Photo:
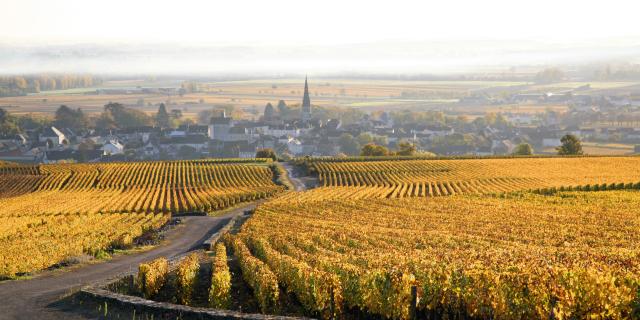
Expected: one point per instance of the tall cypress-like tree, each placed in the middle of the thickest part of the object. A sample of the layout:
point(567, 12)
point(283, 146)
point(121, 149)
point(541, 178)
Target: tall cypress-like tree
point(162, 118)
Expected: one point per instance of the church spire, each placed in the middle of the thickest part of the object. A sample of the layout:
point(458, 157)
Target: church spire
point(306, 102)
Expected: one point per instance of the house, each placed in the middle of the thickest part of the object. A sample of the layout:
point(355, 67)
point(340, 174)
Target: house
point(194, 129)
point(17, 139)
point(238, 134)
point(247, 151)
point(234, 149)
point(68, 155)
point(69, 134)
point(17, 155)
point(219, 127)
point(196, 141)
point(112, 147)
point(294, 146)
point(53, 137)
point(282, 130)
point(58, 156)
point(150, 150)
point(177, 133)
point(433, 130)
point(335, 124)
point(142, 133)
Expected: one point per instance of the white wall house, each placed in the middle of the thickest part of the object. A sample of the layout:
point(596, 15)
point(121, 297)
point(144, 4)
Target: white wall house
point(53, 137)
point(279, 131)
point(112, 147)
point(294, 146)
point(219, 128)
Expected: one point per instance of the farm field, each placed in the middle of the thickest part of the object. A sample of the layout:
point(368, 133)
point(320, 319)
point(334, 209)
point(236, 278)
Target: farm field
point(428, 178)
point(593, 85)
point(568, 255)
point(54, 212)
point(600, 148)
point(381, 239)
point(252, 95)
point(607, 148)
point(390, 238)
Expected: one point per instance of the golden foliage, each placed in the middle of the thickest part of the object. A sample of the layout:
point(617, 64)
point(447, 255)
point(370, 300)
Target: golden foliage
point(522, 256)
point(186, 277)
point(152, 276)
point(258, 275)
point(220, 291)
point(50, 213)
point(428, 178)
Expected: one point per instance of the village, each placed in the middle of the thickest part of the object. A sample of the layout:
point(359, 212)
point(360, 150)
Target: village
point(295, 131)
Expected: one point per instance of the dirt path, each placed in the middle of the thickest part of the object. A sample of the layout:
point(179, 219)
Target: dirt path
point(33, 298)
point(297, 183)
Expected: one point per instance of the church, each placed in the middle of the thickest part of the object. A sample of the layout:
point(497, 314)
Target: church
point(281, 115)
point(306, 103)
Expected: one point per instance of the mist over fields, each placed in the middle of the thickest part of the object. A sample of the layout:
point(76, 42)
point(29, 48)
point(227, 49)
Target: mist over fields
point(382, 57)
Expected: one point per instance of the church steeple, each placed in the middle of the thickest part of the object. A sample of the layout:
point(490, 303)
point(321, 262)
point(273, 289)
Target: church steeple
point(306, 102)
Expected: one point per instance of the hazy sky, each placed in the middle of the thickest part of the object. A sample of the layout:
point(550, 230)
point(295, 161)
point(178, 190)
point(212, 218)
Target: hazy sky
point(311, 22)
point(198, 36)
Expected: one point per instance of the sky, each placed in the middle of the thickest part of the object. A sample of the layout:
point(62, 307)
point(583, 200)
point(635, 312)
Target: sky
point(463, 27)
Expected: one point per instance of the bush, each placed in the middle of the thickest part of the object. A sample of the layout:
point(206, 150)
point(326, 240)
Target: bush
point(152, 276)
point(220, 291)
point(258, 275)
point(186, 277)
point(266, 153)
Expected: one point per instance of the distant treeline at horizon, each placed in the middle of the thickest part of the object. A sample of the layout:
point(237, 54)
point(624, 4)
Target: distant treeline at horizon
point(18, 85)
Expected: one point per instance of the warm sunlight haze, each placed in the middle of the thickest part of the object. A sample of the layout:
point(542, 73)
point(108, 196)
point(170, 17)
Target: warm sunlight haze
point(411, 160)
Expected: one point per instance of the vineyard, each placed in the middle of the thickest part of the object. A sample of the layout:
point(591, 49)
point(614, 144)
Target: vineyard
point(54, 212)
point(406, 238)
point(428, 178)
point(572, 255)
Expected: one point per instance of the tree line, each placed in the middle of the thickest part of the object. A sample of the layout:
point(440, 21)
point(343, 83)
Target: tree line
point(24, 84)
point(114, 116)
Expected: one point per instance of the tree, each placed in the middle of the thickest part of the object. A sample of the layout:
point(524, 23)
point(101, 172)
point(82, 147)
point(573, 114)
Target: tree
point(523, 149)
point(406, 148)
point(66, 117)
point(571, 145)
point(105, 121)
point(162, 117)
point(364, 138)
point(8, 124)
point(348, 144)
point(116, 115)
point(282, 107)
point(380, 140)
point(4, 115)
point(371, 149)
point(266, 153)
